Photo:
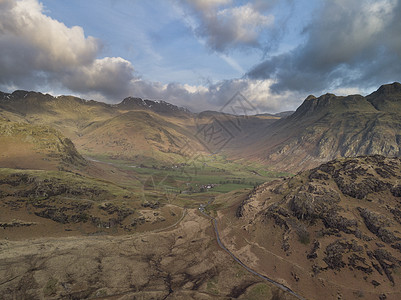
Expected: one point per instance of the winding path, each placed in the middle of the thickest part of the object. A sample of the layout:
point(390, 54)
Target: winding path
point(279, 285)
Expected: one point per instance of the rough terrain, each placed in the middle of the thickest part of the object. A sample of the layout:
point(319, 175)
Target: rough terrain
point(333, 231)
point(184, 262)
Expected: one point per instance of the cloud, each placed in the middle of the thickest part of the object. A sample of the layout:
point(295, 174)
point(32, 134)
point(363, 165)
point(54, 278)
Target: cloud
point(110, 76)
point(215, 96)
point(348, 44)
point(53, 45)
point(206, 5)
point(258, 92)
point(37, 50)
point(225, 26)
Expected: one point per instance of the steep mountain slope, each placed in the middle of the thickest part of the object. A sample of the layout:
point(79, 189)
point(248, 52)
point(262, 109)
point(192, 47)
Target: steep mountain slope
point(333, 231)
point(330, 126)
point(136, 134)
point(387, 98)
point(134, 129)
point(236, 131)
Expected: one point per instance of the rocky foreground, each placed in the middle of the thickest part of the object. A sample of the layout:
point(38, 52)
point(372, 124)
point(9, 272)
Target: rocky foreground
point(334, 230)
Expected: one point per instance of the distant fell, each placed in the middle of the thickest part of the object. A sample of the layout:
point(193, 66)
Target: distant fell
point(331, 126)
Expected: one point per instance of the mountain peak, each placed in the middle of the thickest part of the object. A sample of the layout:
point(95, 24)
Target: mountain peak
point(313, 105)
point(327, 96)
point(132, 101)
point(387, 98)
point(158, 106)
point(391, 88)
point(20, 93)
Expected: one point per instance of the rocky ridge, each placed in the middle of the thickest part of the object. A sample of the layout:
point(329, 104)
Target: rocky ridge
point(331, 126)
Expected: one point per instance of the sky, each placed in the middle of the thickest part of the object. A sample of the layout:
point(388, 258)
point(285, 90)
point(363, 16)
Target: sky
point(200, 53)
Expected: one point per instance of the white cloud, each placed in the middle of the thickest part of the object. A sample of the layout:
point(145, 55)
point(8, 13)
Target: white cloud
point(56, 45)
point(347, 91)
point(244, 23)
point(215, 96)
point(225, 26)
point(37, 50)
point(260, 94)
point(208, 4)
point(195, 89)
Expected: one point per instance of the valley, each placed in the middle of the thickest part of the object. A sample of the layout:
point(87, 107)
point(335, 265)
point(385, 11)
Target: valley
point(147, 200)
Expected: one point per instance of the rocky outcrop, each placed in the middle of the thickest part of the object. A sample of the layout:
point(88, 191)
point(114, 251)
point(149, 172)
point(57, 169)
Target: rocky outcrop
point(16, 223)
point(386, 261)
point(349, 208)
point(376, 224)
point(31, 186)
point(335, 251)
point(158, 106)
point(65, 198)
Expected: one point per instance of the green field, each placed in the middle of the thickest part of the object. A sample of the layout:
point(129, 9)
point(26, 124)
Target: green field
point(201, 177)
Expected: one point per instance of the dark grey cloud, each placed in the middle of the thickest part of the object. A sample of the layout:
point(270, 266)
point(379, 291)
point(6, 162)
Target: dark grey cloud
point(348, 44)
point(109, 76)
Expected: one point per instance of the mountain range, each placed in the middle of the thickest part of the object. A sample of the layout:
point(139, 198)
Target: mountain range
point(321, 129)
point(330, 127)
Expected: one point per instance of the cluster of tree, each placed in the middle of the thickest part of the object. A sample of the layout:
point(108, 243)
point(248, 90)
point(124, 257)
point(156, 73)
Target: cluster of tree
point(239, 181)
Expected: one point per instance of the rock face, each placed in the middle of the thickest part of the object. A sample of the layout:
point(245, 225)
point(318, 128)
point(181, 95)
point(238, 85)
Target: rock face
point(329, 126)
point(339, 219)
